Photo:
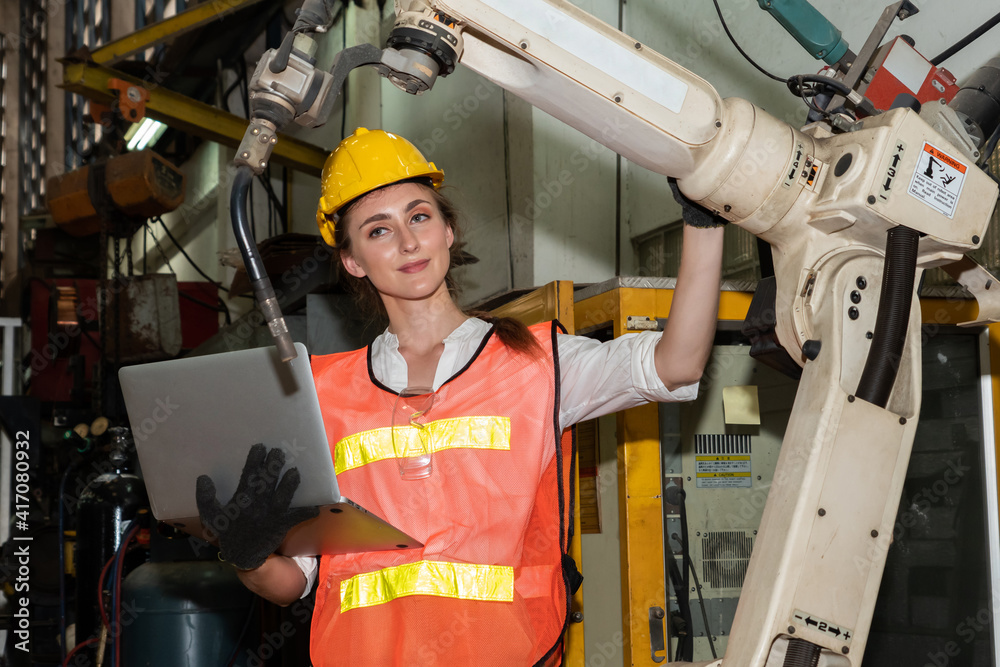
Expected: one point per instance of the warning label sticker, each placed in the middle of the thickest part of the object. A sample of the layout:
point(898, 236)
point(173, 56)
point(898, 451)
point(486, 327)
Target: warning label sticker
point(938, 180)
point(723, 472)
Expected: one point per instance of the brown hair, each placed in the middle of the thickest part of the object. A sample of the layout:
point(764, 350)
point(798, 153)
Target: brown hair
point(512, 333)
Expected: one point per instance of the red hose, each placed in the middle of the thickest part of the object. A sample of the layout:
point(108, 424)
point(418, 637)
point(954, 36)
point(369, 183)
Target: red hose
point(100, 593)
point(77, 648)
point(118, 592)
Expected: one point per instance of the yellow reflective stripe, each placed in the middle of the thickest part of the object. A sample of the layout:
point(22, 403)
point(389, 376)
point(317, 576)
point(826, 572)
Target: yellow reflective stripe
point(462, 581)
point(367, 447)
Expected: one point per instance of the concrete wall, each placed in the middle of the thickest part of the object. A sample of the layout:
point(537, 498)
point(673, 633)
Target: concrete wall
point(460, 126)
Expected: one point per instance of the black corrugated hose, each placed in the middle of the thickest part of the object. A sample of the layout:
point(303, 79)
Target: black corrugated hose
point(889, 337)
point(801, 653)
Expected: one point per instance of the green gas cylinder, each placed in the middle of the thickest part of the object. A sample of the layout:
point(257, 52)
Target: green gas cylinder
point(186, 614)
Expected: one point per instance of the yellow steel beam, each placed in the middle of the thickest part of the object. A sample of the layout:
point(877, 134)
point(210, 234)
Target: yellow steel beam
point(167, 29)
point(734, 305)
point(183, 113)
point(549, 302)
point(641, 515)
point(639, 490)
point(935, 311)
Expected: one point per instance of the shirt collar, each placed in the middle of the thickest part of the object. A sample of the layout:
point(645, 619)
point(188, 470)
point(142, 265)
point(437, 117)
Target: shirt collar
point(460, 345)
point(471, 329)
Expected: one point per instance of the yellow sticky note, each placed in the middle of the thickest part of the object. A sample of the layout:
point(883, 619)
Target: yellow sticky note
point(740, 405)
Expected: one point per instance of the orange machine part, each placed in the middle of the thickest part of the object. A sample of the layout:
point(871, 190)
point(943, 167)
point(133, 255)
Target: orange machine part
point(131, 102)
point(140, 184)
point(131, 99)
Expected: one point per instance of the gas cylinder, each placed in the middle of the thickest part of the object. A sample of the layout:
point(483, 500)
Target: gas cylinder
point(105, 511)
point(189, 614)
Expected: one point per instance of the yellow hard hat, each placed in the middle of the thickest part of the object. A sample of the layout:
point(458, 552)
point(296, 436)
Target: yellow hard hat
point(366, 161)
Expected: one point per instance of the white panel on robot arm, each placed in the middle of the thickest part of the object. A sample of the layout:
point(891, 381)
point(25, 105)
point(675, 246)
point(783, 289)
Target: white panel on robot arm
point(592, 77)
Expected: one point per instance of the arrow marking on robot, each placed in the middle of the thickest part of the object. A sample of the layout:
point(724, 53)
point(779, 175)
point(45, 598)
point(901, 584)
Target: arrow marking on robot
point(815, 623)
point(793, 167)
point(890, 171)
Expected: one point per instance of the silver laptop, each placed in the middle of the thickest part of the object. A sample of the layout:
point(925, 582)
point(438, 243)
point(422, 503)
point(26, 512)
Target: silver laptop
point(200, 416)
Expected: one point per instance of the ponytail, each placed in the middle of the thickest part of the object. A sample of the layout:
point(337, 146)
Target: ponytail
point(513, 333)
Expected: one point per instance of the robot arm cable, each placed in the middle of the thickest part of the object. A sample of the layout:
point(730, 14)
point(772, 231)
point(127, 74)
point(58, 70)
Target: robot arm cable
point(743, 53)
point(965, 41)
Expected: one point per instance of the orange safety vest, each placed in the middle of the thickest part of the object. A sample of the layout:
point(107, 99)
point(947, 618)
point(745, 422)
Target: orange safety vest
point(488, 586)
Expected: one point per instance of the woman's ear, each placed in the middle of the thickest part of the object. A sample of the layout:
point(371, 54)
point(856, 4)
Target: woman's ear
point(347, 259)
point(449, 234)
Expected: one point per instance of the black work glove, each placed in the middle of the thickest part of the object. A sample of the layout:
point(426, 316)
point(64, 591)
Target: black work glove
point(252, 525)
point(695, 215)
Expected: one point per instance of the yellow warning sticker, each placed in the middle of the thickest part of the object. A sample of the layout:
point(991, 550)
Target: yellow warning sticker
point(723, 471)
point(724, 474)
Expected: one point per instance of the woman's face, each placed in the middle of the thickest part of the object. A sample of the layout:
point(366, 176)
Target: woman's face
point(400, 241)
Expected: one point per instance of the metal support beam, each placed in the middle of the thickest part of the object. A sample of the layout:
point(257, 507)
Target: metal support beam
point(9, 326)
point(167, 29)
point(183, 113)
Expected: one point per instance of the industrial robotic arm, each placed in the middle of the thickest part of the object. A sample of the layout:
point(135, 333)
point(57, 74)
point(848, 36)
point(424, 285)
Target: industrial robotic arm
point(855, 208)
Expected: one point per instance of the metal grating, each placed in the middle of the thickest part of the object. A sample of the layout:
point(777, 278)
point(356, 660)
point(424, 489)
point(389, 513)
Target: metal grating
point(711, 443)
point(725, 556)
point(658, 253)
point(31, 131)
point(88, 24)
point(739, 255)
point(152, 11)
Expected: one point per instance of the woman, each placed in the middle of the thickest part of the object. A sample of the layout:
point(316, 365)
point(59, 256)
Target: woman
point(490, 586)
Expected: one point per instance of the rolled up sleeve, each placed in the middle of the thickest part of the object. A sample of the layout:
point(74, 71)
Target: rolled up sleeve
point(309, 566)
point(601, 378)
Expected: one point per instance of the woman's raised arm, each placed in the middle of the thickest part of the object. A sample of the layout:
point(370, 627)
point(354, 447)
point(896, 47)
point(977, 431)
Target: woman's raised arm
point(687, 338)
